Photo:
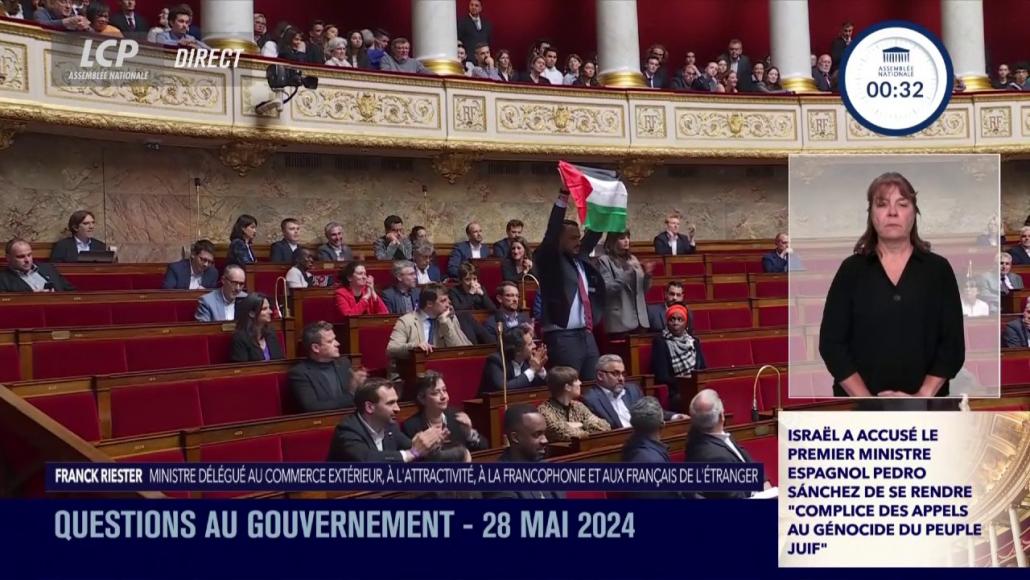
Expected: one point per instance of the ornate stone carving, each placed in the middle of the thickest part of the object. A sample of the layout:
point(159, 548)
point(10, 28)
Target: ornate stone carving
point(469, 113)
point(723, 124)
point(198, 92)
point(1026, 120)
point(14, 74)
point(365, 107)
point(635, 171)
point(561, 118)
point(950, 125)
point(453, 166)
point(8, 130)
point(822, 125)
point(996, 122)
point(650, 122)
point(242, 156)
point(255, 91)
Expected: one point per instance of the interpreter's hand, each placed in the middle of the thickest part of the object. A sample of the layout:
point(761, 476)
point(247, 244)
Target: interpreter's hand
point(424, 347)
point(892, 394)
point(425, 442)
point(358, 376)
point(463, 419)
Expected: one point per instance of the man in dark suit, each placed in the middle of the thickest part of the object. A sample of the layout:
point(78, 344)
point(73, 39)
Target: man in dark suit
point(473, 29)
point(402, 297)
point(473, 248)
point(571, 292)
point(524, 363)
point(282, 250)
point(645, 445)
point(708, 442)
point(654, 78)
point(739, 63)
point(1021, 253)
point(507, 313)
point(512, 230)
point(334, 250)
point(840, 44)
point(526, 431)
point(22, 274)
point(371, 434)
point(656, 312)
point(1017, 334)
point(822, 74)
point(324, 380)
point(992, 289)
point(671, 242)
point(612, 397)
point(193, 273)
point(132, 24)
point(426, 271)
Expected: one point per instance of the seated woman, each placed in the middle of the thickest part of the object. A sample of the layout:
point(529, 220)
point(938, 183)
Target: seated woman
point(299, 276)
point(469, 294)
point(357, 293)
point(255, 340)
point(567, 418)
point(674, 353)
point(431, 398)
point(517, 263)
point(81, 225)
point(241, 241)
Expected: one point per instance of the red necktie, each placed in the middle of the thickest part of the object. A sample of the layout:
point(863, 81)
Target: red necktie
point(584, 299)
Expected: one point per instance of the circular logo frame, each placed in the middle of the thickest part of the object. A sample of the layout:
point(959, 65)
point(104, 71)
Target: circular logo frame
point(929, 42)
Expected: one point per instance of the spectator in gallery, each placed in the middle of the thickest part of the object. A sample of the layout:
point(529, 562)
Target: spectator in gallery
point(323, 380)
point(671, 242)
point(179, 19)
point(81, 225)
point(468, 294)
point(1020, 254)
point(656, 312)
point(517, 263)
point(472, 248)
point(463, 59)
point(356, 54)
point(162, 26)
point(708, 81)
point(840, 44)
point(241, 241)
point(299, 276)
point(58, 14)
point(535, 75)
point(434, 410)
point(729, 83)
point(220, 305)
point(506, 72)
point(822, 75)
point(271, 46)
point(526, 431)
point(261, 35)
point(282, 250)
point(710, 443)
point(772, 81)
point(1002, 78)
point(334, 250)
point(551, 72)
point(399, 59)
point(972, 306)
point(485, 67)
point(23, 274)
point(626, 283)
point(315, 43)
point(782, 259)
point(566, 417)
point(337, 51)
point(12, 9)
point(675, 353)
point(418, 234)
point(193, 273)
point(357, 295)
point(292, 47)
point(573, 64)
point(684, 79)
point(393, 245)
point(661, 75)
point(377, 43)
point(99, 15)
point(432, 326)
point(525, 363)
point(651, 78)
point(1017, 332)
point(331, 31)
point(426, 271)
point(133, 24)
point(402, 297)
point(473, 28)
point(587, 75)
point(757, 80)
point(255, 339)
point(512, 230)
point(736, 60)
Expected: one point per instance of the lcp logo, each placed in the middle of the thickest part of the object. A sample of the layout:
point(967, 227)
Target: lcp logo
point(125, 49)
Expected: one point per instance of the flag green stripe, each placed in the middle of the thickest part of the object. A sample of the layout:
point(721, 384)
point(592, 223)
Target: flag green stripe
point(605, 218)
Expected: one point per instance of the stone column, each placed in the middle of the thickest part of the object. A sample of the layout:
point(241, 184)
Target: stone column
point(992, 537)
point(791, 49)
point(434, 27)
point(970, 552)
point(962, 26)
point(229, 24)
point(618, 44)
point(1017, 537)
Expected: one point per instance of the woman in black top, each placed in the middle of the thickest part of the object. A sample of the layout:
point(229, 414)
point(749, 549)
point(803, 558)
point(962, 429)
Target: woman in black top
point(517, 263)
point(254, 340)
point(587, 75)
point(432, 400)
point(892, 325)
point(469, 294)
point(357, 54)
point(241, 240)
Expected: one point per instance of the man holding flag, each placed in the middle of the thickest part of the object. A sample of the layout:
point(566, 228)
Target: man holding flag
point(571, 289)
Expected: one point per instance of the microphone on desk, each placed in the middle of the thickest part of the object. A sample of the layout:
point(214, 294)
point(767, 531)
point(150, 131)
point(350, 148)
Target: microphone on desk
point(754, 392)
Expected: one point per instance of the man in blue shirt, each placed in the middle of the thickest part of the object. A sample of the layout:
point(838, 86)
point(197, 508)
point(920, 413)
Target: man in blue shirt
point(179, 18)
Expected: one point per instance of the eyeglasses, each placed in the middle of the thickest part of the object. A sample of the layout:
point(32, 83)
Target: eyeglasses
point(613, 373)
point(235, 283)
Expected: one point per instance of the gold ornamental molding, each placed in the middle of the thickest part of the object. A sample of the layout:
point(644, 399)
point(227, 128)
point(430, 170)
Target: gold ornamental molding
point(368, 108)
point(550, 118)
point(453, 166)
point(242, 156)
point(952, 124)
point(8, 130)
point(636, 170)
point(734, 124)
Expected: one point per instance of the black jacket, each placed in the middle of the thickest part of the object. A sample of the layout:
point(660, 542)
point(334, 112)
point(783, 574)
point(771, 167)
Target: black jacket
point(460, 434)
point(177, 276)
point(462, 300)
point(244, 349)
point(706, 448)
point(352, 442)
point(119, 21)
point(507, 457)
point(470, 36)
point(65, 250)
point(662, 247)
point(311, 393)
point(493, 377)
point(281, 252)
point(643, 449)
point(559, 280)
point(11, 282)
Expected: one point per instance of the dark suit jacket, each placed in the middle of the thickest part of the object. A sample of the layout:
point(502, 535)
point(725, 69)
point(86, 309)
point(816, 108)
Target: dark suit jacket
point(244, 349)
point(821, 81)
point(659, 81)
point(656, 318)
point(507, 457)
point(459, 433)
point(119, 21)
point(1018, 253)
point(434, 273)
point(509, 272)
point(281, 252)
point(559, 280)
point(462, 300)
point(597, 401)
point(837, 48)
point(311, 393)
point(352, 442)
point(65, 249)
point(177, 276)
point(662, 247)
point(500, 248)
point(395, 301)
point(743, 71)
point(705, 448)
point(462, 252)
point(240, 253)
point(643, 449)
point(473, 330)
point(11, 282)
point(493, 377)
point(773, 263)
point(470, 36)
point(327, 254)
point(490, 324)
point(1015, 335)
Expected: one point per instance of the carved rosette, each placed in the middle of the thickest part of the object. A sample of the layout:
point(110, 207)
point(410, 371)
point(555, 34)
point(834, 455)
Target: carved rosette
point(369, 108)
point(778, 125)
point(635, 171)
point(453, 166)
point(8, 130)
point(242, 156)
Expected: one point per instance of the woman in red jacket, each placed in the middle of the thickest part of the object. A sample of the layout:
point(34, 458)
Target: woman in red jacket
point(357, 293)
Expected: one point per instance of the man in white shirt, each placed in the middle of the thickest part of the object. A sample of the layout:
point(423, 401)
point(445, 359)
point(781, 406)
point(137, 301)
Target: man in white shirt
point(425, 270)
point(220, 305)
point(552, 73)
point(671, 242)
point(22, 274)
point(334, 250)
point(709, 442)
point(615, 396)
point(194, 273)
point(473, 249)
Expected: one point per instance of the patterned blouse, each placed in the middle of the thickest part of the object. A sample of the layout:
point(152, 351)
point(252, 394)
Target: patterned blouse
point(559, 416)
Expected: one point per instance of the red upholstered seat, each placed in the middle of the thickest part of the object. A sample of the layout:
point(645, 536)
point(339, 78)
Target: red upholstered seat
point(98, 282)
point(662, 394)
point(687, 268)
point(231, 399)
point(146, 281)
point(219, 346)
point(1015, 371)
point(727, 353)
point(77, 314)
point(1004, 408)
point(729, 267)
point(146, 312)
point(321, 308)
point(372, 342)
point(489, 275)
point(185, 310)
point(19, 316)
point(645, 359)
point(986, 371)
point(169, 352)
point(728, 318)
point(769, 349)
point(311, 446)
point(736, 395)
point(702, 320)
point(772, 316)
point(731, 291)
point(264, 282)
point(462, 376)
point(10, 366)
point(76, 411)
point(74, 358)
point(678, 456)
point(981, 336)
point(798, 348)
point(163, 456)
point(286, 402)
point(140, 409)
point(257, 449)
point(764, 450)
point(771, 289)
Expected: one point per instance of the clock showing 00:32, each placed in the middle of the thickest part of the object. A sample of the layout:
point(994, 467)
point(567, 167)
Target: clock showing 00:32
point(896, 78)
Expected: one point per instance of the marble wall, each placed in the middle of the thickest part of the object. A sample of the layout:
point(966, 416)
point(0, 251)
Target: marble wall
point(146, 203)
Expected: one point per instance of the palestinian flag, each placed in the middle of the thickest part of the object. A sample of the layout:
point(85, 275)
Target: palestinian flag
point(599, 196)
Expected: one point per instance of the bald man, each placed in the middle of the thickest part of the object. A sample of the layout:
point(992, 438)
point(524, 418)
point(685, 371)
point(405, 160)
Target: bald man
point(708, 441)
point(473, 249)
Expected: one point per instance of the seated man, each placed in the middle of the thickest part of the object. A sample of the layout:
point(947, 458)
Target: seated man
point(426, 271)
point(656, 312)
point(671, 242)
point(507, 313)
point(708, 442)
point(514, 231)
point(193, 273)
point(471, 249)
point(645, 445)
point(433, 325)
point(402, 297)
point(524, 360)
point(179, 18)
point(324, 380)
point(567, 418)
point(1017, 332)
point(1021, 253)
point(58, 14)
point(371, 433)
point(22, 274)
point(782, 259)
point(612, 397)
point(334, 250)
point(282, 251)
point(526, 431)
point(394, 245)
point(220, 304)
point(992, 289)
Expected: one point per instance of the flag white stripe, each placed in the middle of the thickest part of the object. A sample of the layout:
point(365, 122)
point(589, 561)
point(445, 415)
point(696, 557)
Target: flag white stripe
point(607, 193)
